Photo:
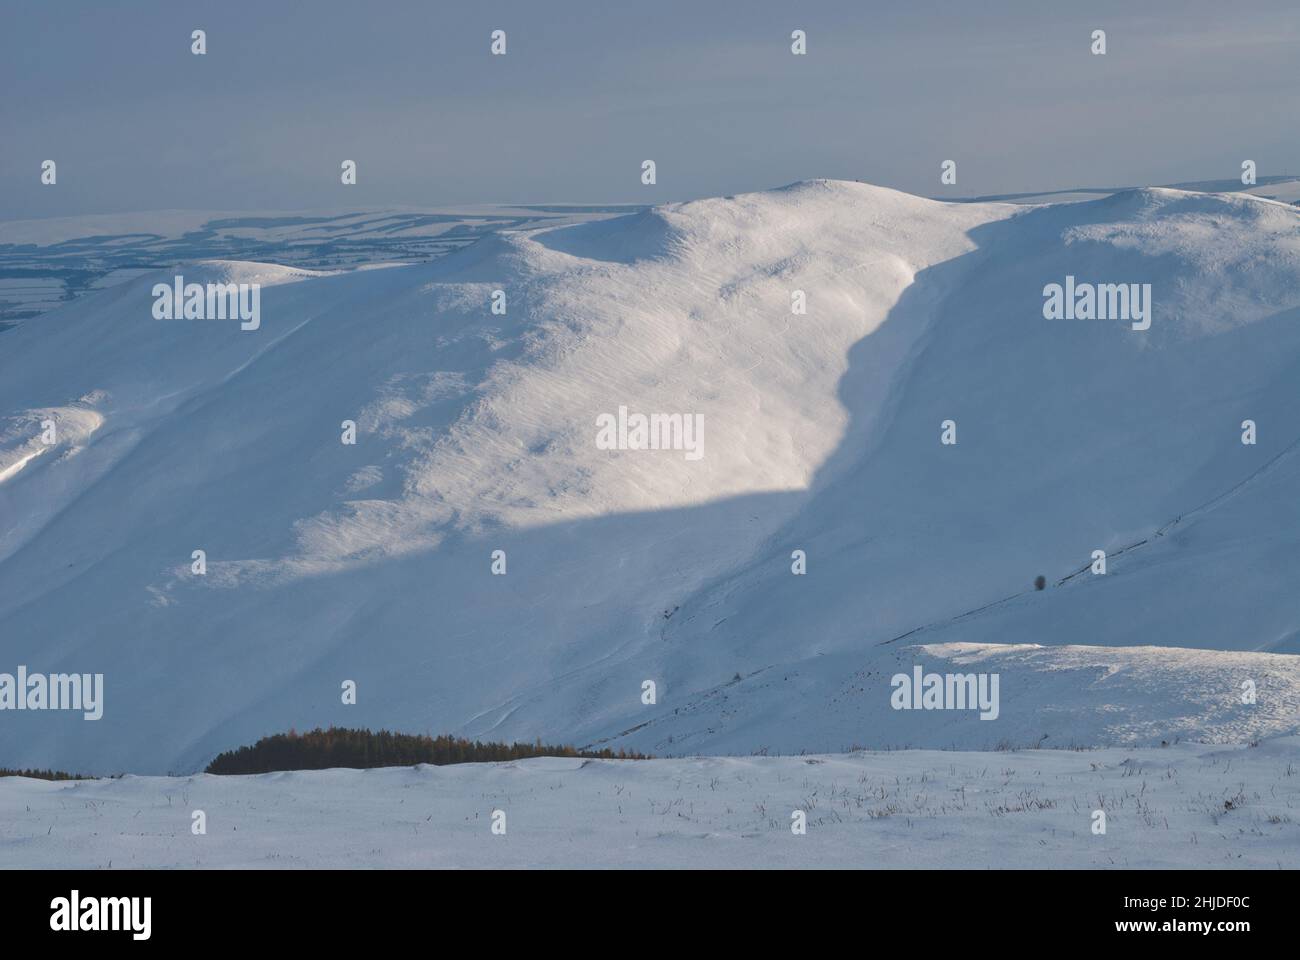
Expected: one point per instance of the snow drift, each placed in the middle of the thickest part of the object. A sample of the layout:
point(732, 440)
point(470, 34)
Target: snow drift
point(476, 433)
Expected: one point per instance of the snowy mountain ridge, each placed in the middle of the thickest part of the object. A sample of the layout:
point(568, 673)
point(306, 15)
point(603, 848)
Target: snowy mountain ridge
point(476, 433)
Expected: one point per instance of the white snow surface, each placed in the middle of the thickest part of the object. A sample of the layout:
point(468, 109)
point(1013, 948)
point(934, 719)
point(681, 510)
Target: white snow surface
point(1190, 805)
point(476, 433)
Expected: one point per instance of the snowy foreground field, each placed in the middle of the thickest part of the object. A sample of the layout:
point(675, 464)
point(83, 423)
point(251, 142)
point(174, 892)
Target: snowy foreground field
point(1188, 805)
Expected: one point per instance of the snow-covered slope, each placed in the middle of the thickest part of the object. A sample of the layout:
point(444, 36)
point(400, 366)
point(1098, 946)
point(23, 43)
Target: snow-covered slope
point(59, 259)
point(476, 432)
point(1190, 805)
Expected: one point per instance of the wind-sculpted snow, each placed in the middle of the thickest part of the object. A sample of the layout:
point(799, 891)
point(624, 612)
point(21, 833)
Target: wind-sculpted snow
point(477, 431)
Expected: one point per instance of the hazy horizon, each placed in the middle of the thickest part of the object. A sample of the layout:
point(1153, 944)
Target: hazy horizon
point(711, 93)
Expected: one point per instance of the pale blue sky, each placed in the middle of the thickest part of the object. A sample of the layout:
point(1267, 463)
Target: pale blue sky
point(707, 88)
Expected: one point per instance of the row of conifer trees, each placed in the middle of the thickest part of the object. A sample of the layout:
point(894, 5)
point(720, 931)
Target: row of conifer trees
point(358, 748)
point(41, 774)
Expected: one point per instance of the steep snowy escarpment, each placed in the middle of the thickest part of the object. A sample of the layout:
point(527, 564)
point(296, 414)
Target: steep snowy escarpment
point(1073, 436)
point(476, 431)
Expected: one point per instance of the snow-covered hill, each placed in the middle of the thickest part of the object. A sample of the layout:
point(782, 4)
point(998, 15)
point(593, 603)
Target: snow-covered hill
point(477, 432)
point(59, 259)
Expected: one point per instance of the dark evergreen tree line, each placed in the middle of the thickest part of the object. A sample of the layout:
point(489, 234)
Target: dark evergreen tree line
point(42, 774)
point(362, 749)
